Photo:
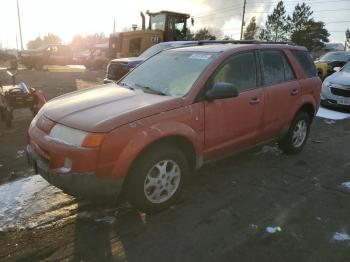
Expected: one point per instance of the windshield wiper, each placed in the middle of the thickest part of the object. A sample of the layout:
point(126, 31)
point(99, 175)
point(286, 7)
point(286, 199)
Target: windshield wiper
point(123, 84)
point(148, 89)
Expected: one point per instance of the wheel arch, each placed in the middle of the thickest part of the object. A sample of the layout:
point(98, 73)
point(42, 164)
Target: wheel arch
point(175, 134)
point(309, 109)
point(181, 142)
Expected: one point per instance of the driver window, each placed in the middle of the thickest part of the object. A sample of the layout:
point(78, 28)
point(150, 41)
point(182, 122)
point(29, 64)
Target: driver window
point(239, 70)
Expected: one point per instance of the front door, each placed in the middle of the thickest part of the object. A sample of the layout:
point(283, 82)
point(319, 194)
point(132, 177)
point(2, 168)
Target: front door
point(231, 124)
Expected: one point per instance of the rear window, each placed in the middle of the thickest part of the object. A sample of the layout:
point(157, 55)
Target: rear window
point(306, 62)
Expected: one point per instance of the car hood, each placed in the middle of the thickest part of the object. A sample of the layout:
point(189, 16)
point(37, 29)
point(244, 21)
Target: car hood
point(103, 108)
point(333, 63)
point(342, 78)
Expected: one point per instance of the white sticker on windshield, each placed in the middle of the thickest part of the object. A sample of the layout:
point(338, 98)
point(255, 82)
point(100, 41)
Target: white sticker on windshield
point(200, 56)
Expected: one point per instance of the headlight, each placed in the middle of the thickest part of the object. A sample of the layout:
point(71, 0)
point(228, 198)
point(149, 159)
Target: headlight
point(67, 135)
point(75, 137)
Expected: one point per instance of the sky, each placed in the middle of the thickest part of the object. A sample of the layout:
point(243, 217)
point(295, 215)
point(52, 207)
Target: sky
point(67, 18)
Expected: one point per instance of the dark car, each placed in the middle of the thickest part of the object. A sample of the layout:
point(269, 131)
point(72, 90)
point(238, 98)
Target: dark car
point(326, 64)
point(117, 68)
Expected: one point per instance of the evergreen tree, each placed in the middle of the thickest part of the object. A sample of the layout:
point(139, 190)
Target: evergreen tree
point(312, 36)
point(276, 25)
point(304, 30)
point(251, 30)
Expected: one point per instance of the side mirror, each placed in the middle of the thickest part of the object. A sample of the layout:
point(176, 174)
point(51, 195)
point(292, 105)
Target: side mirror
point(222, 90)
point(337, 69)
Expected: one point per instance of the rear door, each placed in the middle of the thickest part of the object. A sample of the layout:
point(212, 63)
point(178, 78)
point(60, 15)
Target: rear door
point(231, 124)
point(282, 91)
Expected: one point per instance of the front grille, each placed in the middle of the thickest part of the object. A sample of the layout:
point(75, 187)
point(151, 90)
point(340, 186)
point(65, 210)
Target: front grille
point(117, 71)
point(340, 92)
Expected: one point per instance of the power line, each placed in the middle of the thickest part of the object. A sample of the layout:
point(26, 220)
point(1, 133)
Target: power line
point(239, 6)
point(265, 12)
point(318, 11)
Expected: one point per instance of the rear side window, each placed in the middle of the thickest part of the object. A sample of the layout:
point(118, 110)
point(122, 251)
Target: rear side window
point(239, 70)
point(276, 68)
point(306, 62)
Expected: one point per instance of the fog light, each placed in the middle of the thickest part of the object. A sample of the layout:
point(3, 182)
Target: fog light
point(67, 165)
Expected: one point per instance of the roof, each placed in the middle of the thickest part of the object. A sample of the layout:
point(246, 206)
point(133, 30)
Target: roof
point(178, 43)
point(219, 48)
point(168, 12)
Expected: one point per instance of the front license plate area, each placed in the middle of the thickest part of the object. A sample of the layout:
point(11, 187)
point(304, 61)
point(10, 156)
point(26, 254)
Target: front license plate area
point(343, 102)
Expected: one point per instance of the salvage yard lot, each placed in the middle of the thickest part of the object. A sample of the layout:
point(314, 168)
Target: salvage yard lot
point(223, 216)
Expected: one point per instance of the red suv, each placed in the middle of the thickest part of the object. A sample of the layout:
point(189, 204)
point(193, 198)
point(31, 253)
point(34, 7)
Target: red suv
point(172, 114)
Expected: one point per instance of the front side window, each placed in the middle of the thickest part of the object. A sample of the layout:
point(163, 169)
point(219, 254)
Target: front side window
point(170, 72)
point(239, 70)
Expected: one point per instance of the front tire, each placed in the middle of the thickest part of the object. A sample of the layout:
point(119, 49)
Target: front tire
point(294, 141)
point(157, 178)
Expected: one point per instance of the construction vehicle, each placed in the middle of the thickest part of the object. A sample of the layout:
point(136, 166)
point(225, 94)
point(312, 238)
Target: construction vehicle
point(163, 26)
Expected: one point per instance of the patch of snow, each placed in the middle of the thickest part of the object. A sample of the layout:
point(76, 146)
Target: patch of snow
point(273, 230)
point(28, 202)
point(20, 153)
point(341, 236)
point(331, 114)
point(346, 185)
point(1, 165)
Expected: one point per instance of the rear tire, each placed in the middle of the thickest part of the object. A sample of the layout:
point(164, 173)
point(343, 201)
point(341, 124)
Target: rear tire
point(157, 178)
point(295, 139)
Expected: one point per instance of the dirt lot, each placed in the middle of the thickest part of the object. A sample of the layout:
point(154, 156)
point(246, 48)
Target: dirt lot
point(223, 216)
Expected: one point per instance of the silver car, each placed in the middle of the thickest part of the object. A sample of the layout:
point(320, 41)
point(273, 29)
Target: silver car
point(336, 89)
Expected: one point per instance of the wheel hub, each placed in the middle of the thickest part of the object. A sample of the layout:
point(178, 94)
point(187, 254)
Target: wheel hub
point(299, 133)
point(162, 181)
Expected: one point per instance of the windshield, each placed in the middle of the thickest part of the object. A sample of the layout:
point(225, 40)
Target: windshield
point(154, 50)
point(342, 56)
point(171, 73)
point(158, 22)
point(346, 68)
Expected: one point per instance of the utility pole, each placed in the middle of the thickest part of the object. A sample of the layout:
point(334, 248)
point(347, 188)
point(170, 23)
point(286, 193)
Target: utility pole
point(243, 23)
point(20, 27)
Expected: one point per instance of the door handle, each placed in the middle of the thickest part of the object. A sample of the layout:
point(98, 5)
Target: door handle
point(254, 101)
point(294, 92)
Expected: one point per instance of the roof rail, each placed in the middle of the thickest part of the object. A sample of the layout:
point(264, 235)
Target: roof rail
point(203, 42)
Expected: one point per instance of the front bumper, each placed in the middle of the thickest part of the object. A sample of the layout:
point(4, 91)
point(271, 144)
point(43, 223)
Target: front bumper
point(333, 100)
point(333, 103)
point(77, 184)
